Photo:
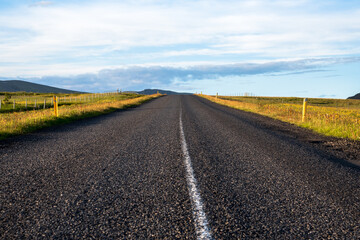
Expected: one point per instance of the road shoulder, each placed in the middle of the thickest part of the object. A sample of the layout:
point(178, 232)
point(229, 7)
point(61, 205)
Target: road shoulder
point(345, 150)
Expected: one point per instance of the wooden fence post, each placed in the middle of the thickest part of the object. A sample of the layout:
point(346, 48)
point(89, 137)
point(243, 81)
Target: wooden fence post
point(56, 105)
point(304, 109)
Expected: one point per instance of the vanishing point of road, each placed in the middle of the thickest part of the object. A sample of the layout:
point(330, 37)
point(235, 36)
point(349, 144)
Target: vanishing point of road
point(178, 167)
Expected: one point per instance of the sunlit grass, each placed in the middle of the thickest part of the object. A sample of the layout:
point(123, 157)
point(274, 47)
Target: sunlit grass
point(14, 123)
point(12, 102)
point(322, 114)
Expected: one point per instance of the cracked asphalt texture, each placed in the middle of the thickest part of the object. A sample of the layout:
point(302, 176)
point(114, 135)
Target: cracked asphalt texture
point(122, 176)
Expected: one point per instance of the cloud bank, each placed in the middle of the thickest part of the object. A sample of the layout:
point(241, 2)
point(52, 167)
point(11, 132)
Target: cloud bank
point(140, 77)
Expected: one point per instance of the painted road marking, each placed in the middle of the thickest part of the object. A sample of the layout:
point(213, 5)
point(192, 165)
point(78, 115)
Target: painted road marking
point(201, 223)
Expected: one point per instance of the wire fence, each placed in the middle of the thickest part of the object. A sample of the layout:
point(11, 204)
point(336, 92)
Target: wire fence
point(13, 103)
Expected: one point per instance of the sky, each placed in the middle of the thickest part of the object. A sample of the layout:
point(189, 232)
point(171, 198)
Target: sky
point(302, 48)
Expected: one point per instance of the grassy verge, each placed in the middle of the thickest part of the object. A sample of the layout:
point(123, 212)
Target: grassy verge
point(16, 102)
point(16, 123)
point(338, 118)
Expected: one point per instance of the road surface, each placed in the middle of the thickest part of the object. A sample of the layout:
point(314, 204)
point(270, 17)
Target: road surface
point(176, 167)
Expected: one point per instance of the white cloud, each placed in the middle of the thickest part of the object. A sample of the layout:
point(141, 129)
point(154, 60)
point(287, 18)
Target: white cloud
point(67, 37)
point(41, 4)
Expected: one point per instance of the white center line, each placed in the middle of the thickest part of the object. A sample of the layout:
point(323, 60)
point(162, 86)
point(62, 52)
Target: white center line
point(201, 223)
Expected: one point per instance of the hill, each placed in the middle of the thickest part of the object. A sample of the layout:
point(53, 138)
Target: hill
point(23, 86)
point(357, 96)
point(154, 91)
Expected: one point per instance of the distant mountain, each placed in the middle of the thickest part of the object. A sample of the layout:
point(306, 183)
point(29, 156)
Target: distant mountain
point(23, 86)
point(154, 91)
point(357, 96)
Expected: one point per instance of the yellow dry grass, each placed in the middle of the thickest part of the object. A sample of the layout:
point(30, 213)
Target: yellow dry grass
point(331, 121)
point(27, 121)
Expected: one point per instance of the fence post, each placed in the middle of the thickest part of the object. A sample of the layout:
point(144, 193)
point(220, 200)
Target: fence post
point(56, 105)
point(14, 105)
point(217, 95)
point(35, 104)
point(44, 102)
point(304, 109)
point(25, 103)
point(0, 103)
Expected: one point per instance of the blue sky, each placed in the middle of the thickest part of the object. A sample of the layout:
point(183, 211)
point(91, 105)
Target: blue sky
point(265, 47)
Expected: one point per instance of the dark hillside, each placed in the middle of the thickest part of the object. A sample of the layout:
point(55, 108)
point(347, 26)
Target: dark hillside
point(357, 96)
point(154, 91)
point(23, 86)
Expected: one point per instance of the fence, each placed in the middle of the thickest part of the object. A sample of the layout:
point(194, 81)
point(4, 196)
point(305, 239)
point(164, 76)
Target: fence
point(24, 103)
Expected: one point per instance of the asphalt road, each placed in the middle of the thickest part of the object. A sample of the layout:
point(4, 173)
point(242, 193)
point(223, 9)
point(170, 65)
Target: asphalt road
point(176, 167)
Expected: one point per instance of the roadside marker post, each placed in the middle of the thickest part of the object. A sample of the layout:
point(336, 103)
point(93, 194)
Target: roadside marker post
point(56, 106)
point(217, 95)
point(304, 109)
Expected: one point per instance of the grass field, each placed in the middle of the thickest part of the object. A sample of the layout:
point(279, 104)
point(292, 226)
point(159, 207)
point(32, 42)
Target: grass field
point(19, 121)
point(331, 117)
point(20, 101)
